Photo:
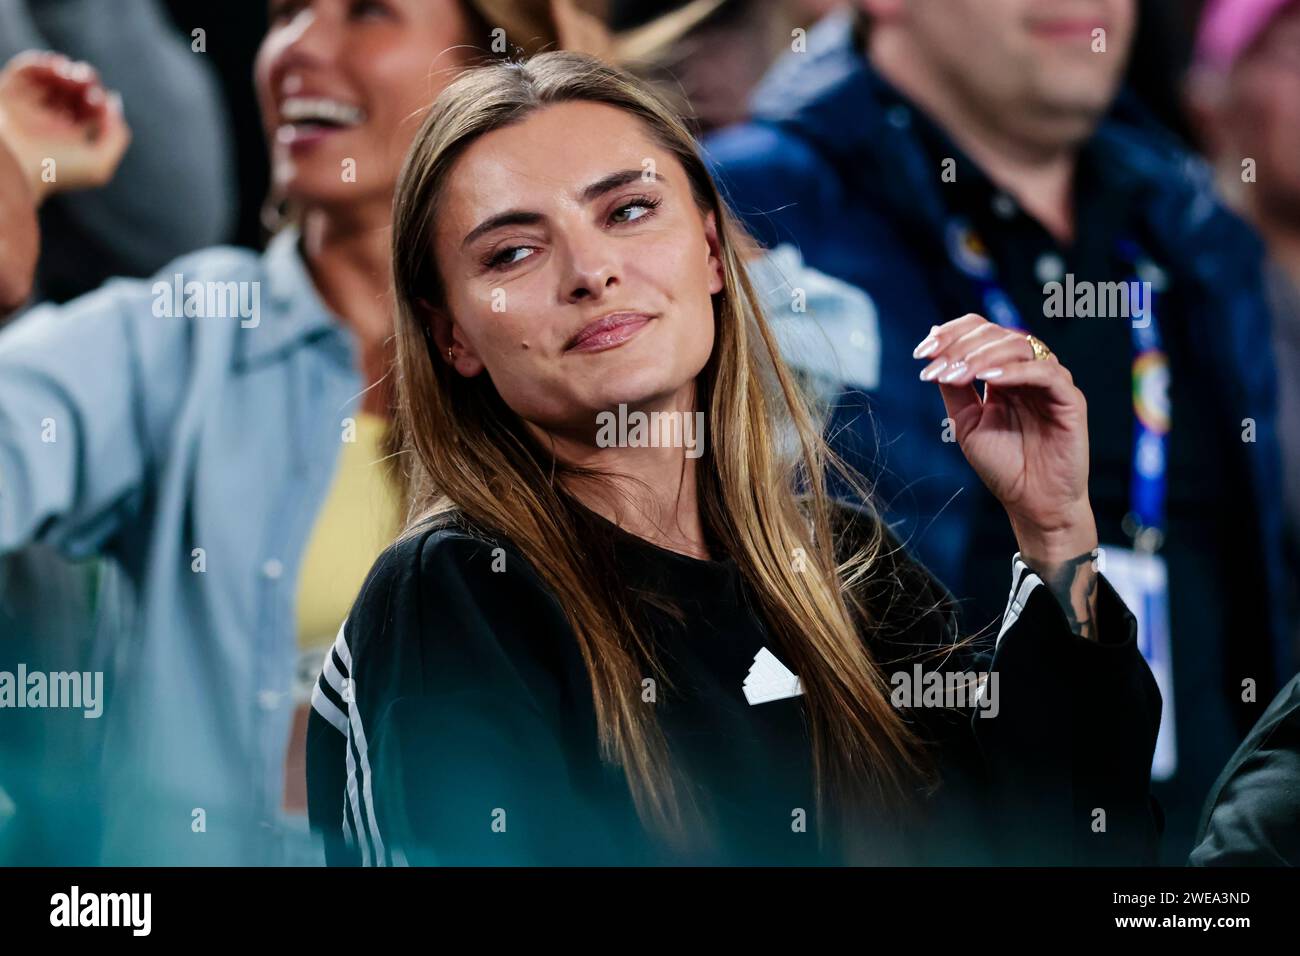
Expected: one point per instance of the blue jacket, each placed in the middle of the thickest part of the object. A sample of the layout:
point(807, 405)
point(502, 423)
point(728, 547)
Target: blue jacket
point(826, 161)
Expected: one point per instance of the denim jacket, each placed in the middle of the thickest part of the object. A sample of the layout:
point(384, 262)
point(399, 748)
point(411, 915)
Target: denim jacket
point(193, 452)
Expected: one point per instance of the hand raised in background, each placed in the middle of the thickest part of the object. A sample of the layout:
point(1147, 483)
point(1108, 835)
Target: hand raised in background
point(65, 131)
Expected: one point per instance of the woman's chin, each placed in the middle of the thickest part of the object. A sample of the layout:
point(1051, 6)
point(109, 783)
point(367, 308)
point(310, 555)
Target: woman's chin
point(647, 391)
point(636, 378)
point(306, 196)
point(307, 186)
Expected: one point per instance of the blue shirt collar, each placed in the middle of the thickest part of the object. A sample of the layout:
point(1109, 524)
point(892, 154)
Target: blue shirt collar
point(294, 309)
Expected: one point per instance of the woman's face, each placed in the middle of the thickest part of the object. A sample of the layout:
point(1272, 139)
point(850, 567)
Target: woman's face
point(578, 268)
point(1260, 118)
point(342, 86)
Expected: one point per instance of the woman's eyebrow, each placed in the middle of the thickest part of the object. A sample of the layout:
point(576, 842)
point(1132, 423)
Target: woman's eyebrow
point(522, 217)
point(511, 217)
point(614, 181)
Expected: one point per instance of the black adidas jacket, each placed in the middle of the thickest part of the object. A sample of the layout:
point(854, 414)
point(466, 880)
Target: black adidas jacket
point(453, 721)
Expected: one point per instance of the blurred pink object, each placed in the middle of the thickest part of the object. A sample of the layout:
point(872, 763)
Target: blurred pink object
point(1229, 27)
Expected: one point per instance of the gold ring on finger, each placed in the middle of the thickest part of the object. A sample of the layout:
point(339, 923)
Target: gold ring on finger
point(1041, 351)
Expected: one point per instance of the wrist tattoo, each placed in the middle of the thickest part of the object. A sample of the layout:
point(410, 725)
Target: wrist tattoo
point(1074, 584)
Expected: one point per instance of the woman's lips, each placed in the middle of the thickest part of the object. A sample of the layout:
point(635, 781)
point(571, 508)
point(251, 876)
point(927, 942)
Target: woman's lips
point(609, 332)
point(300, 136)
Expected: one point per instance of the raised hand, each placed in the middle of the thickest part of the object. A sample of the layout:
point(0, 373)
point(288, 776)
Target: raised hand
point(1027, 439)
point(63, 128)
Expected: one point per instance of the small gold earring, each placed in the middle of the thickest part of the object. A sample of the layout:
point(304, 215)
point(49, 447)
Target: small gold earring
point(450, 357)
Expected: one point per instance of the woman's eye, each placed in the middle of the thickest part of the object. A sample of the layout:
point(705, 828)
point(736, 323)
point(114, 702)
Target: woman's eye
point(509, 256)
point(634, 210)
point(369, 8)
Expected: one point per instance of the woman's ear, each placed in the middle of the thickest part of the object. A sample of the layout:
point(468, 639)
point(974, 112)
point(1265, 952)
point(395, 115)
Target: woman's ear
point(715, 253)
point(451, 346)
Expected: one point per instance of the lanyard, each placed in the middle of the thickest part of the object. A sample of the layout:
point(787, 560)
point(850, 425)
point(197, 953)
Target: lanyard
point(1145, 521)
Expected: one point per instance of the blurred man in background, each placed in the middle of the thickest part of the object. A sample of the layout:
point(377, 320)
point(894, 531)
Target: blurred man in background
point(972, 156)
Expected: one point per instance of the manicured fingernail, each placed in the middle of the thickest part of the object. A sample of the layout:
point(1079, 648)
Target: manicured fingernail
point(954, 373)
point(988, 373)
point(932, 370)
point(928, 346)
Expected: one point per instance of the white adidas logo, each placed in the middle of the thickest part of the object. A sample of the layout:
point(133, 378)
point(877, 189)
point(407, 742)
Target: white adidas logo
point(769, 680)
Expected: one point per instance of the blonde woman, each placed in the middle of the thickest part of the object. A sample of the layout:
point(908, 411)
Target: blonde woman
point(624, 623)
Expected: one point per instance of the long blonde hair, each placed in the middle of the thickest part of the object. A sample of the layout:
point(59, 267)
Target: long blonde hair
point(469, 459)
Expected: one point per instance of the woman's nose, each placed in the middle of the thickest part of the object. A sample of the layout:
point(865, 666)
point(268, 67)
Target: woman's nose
point(591, 269)
point(313, 38)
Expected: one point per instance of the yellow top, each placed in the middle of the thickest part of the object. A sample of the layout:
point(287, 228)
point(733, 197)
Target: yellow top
point(358, 520)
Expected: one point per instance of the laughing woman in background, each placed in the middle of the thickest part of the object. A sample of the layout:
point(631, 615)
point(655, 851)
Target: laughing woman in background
point(585, 651)
point(228, 466)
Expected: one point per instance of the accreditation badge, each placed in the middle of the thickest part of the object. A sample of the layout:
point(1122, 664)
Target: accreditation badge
point(967, 250)
point(1151, 391)
point(1142, 581)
